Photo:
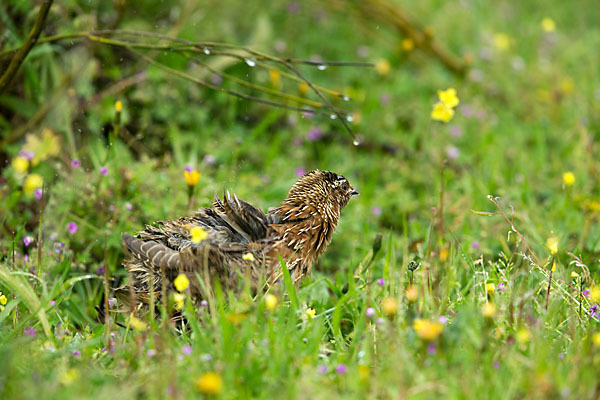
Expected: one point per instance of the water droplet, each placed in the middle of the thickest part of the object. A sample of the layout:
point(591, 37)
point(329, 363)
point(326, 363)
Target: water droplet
point(251, 63)
point(321, 67)
point(346, 98)
point(333, 116)
point(356, 142)
point(206, 51)
point(349, 118)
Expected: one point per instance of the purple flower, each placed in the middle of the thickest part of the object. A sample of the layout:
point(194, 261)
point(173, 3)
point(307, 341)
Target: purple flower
point(475, 244)
point(455, 131)
point(561, 356)
point(443, 319)
point(59, 246)
point(594, 311)
point(101, 271)
point(496, 364)
point(111, 302)
point(322, 369)
point(188, 168)
point(29, 332)
point(38, 193)
point(385, 99)
point(308, 114)
point(28, 155)
point(293, 7)
point(27, 240)
point(370, 312)
point(381, 282)
point(453, 152)
point(206, 357)
point(151, 352)
point(72, 228)
point(209, 159)
point(341, 368)
point(204, 303)
point(586, 293)
point(467, 111)
point(129, 206)
point(187, 350)
point(26, 258)
point(501, 287)
point(300, 172)
point(76, 163)
point(52, 302)
point(314, 134)
point(104, 171)
point(432, 348)
point(380, 320)
point(216, 79)
point(111, 207)
point(376, 211)
point(76, 353)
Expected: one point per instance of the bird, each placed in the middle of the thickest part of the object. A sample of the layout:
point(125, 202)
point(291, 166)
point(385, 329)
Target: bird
point(236, 243)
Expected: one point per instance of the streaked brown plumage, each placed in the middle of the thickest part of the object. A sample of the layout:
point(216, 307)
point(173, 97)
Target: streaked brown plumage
point(298, 231)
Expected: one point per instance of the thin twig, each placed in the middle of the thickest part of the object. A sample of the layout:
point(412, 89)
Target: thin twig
point(19, 57)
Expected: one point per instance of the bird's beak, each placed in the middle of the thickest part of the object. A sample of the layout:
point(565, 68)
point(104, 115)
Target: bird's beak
point(354, 192)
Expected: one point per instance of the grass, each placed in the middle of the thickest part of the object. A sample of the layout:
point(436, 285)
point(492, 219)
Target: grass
point(529, 113)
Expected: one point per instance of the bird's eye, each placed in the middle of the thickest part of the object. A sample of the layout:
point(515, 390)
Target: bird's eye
point(344, 186)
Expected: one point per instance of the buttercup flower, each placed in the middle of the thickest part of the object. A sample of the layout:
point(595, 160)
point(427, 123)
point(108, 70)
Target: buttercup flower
point(407, 44)
point(523, 336)
point(118, 106)
point(249, 257)
point(383, 67)
point(46, 146)
point(548, 25)
point(179, 300)
point(552, 244)
point(270, 301)
point(595, 294)
point(20, 164)
point(448, 97)
point(568, 178)
point(411, 293)
point(488, 310)
point(198, 234)
point(442, 112)
point(490, 288)
point(137, 324)
point(501, 41)
point(210, 383)
point(181, 282)
point(191, 177)
point(310, 313)
point(428, 330)
point(389, 306)
point(32, 182)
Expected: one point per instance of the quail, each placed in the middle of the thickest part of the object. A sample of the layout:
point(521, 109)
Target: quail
point(241, 243)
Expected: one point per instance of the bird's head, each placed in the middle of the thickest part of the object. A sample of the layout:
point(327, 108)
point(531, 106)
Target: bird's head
point(325, 190)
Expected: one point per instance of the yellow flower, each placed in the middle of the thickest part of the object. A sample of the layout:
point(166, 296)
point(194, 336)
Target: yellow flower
point(310, 313)
point(270, 301)
point(490, 288)
point(42, 148)
point(389, 306)
point(448, 97)
point(249, 257)
point(32, 182)
point(198, 234)
point(275, 78)
point(501, 41)
point(548, 25)
point(411, 293)
point(428, 330)
point(596, 339)
point(137, 324)
point(303, 88)
point(3, 299)
point(407, 44)
point(488, 310)
point(20, 164)
point(574, 274)
point(444, 254)
point(595, 294)
point(179, 300)
point(181, 282)
point(383, 67)
point(210, 383)
point(568, 178)
point(553, 269)
point(442, 112)
point(118, 106)
point(192, 177)
point(523, 336)
point(69, 376)
point(552, 244)
point(363, 372)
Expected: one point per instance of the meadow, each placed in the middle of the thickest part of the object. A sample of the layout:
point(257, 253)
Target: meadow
point(468, 267)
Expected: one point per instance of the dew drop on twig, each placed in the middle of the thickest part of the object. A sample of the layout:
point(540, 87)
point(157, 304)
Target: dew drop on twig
point(349, 118)
point(321, 67)
point(356, 142)
point(251, 63)
point(333, 116)
point(207, 51)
